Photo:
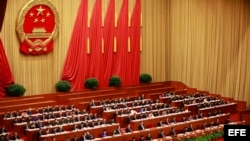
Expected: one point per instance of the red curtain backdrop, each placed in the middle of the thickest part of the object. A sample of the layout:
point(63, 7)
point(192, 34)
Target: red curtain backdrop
point(95, 36)
point(100, 59)
point(120, 57)
point(108, 36)
point(6, 77)
point(74, 69)
point(3, 4)
point(135, 35)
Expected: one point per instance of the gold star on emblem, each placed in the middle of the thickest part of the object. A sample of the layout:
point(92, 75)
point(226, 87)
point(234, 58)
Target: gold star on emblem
point(40, 10)
point(42, 20)
point(31, 14)
point(48, 14)
point(36, 20)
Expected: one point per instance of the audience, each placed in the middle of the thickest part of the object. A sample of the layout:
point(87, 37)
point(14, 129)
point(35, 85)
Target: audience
point(15, 136)
point(104, 133)
point(118, 130)
point(172, 131)
point(128, 129)
point(50, 117)
point(89, 136)
point(148, 137)
point(141, 126)
point(161, 134)
point(190, 128)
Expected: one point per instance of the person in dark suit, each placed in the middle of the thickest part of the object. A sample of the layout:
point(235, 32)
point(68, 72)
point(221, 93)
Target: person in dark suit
point(172, 132)
point(141, 116)
point(167, 122)
point(209, 114)
point(161, 134)
point(60, 129)
point(157, 113)
point(174, 120)
point(211, 123)
point(75, 139)
point(217, 122)
point(95, 116)
point(185, 129)
point(200, 115)
point(142, 138)
point(92, 103)
point(104, 133)
point(133, 117)
point(141, 126)
point(89, 136)
point(160, 123)
point(118, 130)
point(83, 137)
point(128, 129)
point(75, 128)
point(227, 121)
point(133, 139)
point(148, 137)
point(15, 136)
point(203, 126)
point(3, 130)
point(190, 128)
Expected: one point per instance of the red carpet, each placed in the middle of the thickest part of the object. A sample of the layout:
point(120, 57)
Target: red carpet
point(219, 139)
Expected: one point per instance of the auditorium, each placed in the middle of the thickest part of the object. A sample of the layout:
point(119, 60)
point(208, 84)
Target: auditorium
point(124, 70)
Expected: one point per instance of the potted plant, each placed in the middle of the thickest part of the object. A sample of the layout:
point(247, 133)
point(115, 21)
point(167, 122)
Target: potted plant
point(15, 90)
point(91, 83)
point(63, 86)
point(115, 81)
point(145, 78)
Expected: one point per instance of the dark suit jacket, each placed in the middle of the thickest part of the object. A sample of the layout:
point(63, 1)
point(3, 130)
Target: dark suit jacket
point(148, 138)
point(128, 130)
point(172, 133)
point(117, 131)
point(159, 124)
point(141, 127)
point(161, 135)
point(190, 129)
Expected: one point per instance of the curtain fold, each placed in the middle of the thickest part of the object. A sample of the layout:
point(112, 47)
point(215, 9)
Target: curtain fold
point(6, 77)
point(3, 4)
point(95, 36)
point(135, 35)
point(120, 57)
point(74, 69)
point(108, 37)
point(92, 49)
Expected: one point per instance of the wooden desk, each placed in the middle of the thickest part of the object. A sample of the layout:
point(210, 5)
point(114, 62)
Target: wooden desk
point(96, 132)
point(98, 97)
point(165, 99)
point(8, 102)
point(8, 122)
point(27, 106)
point(110, 114)
point(19, 127)
point(123, 119)
point(225, 108)
point(98, 109)
point(152, 122)
point(178, 127)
